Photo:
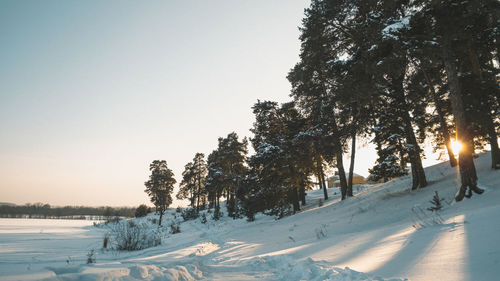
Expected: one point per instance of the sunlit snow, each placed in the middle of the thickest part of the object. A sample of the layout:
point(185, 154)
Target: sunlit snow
point(372, 236)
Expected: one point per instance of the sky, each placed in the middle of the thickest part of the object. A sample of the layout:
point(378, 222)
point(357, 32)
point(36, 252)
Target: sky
point(91, 92)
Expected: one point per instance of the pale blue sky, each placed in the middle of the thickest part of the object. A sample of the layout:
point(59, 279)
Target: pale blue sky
point(92, 91)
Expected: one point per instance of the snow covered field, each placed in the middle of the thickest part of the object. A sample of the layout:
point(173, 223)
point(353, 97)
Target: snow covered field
point(376, 233)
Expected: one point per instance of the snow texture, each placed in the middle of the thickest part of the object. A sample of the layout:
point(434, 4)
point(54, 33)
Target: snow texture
point(376, 235)
point(391, 30)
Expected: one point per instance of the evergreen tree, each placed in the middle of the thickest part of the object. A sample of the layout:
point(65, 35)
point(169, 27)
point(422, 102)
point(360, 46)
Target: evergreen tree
point(226, 171)
point(193, 184)
point(160, 185)
point(283, 160)
point(187, 186)
point(457, 30)
point(200, 171)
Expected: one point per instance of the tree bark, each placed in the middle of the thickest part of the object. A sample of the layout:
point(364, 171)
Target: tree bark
point(302, 192)
point(342, 177)
point(322, 179)
point(467, 169)
point(492, 134)
point(197, 199)
point(413, 149)
point(198, 176)
point(193, 198)
point(325, 187)
point(339, 160)
point(353, 155)
point(161, 216)
point(295, 200)
point(442, 122)
point(495, 151)
point(320, 183)
point(418, 173)
point(294, 189)
point(447, 140)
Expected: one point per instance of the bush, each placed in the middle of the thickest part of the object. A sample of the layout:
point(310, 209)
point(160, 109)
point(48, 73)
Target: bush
point(217, 213)
point(178, 209)
point(175, 228)
point(189, 214)
point(105, 242)
point(142, 211)
point(112, 220)
point(203, 218)
point(132, 237)
point(91, 257)
point(250, 215)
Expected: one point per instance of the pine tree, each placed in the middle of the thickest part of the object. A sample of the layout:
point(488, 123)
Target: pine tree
point(450, 22)
point(193, 184)
point(436, 203)
point(187, 187)
point(160, 185)
point(226, 171)
point(200, 174)
point(284, 158)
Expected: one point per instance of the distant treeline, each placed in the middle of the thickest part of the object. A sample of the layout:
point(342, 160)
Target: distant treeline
point(40, 210)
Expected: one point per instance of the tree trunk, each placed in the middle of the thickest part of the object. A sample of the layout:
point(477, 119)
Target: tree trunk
point(342, 177)
point(161, 216)
point(413, 149)
point(193, 198)
point(198, 200)
point(353, 155)
point(302, 192)
point(325, 182)
point(322, 179)
point(325, 187)
point(492, 134)
point(294, 190)
point(402, 158)
point(199, 187)
point(495, 151)
point(320, 183)
point(295, 199)
point(447, 140)
point(417, 170)
point(442, 122)
point(339, 160)
point(467, 169)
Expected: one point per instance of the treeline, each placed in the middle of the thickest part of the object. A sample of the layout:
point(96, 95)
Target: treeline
point(40, 210)
point(394, 72)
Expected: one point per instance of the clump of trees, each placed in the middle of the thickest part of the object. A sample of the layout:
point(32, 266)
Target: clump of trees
point(46, 211)
point(222, 175)
point(393, 72)
point(142, 211)
point(399, 72)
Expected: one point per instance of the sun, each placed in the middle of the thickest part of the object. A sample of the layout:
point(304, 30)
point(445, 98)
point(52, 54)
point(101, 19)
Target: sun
point(456, 146)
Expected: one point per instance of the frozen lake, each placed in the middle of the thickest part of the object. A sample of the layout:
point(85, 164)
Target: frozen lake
point(27, 246)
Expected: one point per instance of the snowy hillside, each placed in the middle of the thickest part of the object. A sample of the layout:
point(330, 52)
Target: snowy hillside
point(383, 233)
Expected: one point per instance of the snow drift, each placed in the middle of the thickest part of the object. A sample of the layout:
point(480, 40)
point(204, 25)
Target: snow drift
point(373, 236)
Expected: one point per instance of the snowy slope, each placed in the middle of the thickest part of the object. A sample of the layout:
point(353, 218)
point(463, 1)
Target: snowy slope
point(376, 233)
